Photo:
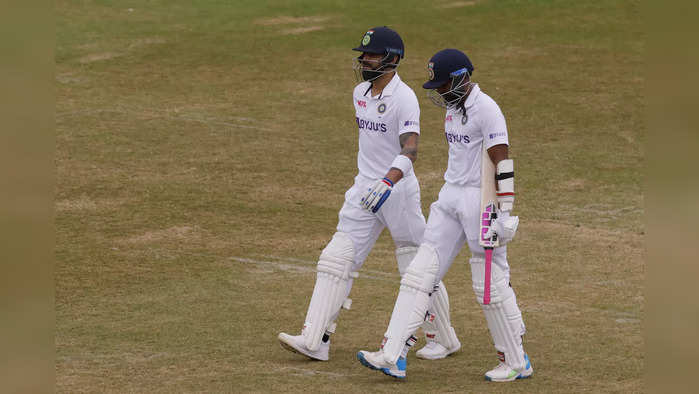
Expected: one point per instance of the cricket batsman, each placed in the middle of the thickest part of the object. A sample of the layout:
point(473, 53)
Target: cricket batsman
point(473, 125)
point(385, 193)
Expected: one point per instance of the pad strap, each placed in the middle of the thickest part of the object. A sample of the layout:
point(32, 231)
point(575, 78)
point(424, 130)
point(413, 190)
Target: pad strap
point(505, 176)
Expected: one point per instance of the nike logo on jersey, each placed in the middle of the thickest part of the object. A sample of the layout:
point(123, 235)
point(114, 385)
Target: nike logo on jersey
point(371, 126)
point(457, 138)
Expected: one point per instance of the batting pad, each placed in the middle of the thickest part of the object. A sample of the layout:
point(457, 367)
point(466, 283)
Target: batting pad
point(333, 284)
point(438, 322)
point(412, 302)
point(502, 314)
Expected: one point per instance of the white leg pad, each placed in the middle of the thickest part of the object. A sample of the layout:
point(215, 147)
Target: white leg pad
point(502, 314)
point(404, 256)
point(437, 326)
point(413, 299)
point(333, 283)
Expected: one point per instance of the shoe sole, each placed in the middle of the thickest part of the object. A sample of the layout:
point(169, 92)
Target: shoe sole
point(508, 380)
point(292, 349)
point(520, 376)
point(369, 365)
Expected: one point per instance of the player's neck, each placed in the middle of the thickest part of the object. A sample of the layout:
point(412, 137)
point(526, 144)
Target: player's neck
point(380, 83)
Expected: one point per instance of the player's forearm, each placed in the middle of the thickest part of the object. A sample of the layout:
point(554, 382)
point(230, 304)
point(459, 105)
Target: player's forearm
point(403, 163)
point(498, 153)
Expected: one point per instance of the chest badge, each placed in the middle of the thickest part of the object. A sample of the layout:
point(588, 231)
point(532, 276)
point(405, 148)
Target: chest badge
point(464, 119)
point(382, 108)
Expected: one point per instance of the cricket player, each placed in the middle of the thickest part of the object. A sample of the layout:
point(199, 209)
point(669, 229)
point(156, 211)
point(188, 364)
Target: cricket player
point(473, 121)
point(385, 193)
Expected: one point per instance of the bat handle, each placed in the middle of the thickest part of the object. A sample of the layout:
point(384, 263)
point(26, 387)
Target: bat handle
point(486, 286)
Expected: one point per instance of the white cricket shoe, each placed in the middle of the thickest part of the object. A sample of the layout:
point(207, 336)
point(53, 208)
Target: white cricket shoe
point(375, 360)
point(295, 343)
point(503, 372)
point(435, 350)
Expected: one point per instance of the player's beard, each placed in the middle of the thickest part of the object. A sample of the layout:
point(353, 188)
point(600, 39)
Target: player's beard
point(371, 74)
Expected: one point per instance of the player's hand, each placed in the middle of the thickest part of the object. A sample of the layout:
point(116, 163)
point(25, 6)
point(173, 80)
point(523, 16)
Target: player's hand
point(504, 226)
point(377, 194)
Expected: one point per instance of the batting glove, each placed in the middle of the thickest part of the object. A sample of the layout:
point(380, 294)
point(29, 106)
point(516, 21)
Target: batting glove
point(504, 226)
point(377, 194)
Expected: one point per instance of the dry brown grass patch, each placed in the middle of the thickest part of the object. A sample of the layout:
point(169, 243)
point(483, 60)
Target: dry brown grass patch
point(96, 57)
point(288, 20)
point(301, 30)
point(457, 4)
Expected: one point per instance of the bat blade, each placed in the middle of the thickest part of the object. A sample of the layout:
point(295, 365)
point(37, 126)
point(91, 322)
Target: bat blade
point(488, 213)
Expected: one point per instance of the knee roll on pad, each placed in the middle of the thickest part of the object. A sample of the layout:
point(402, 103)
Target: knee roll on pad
point(337, 257)
point(500, 289)
point(333, 283)
point(421, 274)
point(404, 256)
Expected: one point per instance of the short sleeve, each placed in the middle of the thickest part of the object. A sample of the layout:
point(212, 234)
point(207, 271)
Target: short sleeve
point(409, 114)
point(493, 126)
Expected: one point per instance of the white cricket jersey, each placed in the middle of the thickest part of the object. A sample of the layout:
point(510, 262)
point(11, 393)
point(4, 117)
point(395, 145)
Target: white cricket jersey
point(483, 122)
point(380, 121)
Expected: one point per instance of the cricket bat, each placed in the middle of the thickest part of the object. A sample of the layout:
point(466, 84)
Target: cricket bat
point(489, 203)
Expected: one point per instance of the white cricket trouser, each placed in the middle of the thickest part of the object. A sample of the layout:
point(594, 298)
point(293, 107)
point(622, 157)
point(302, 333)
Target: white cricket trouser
point(401, 213)
point(453, 221)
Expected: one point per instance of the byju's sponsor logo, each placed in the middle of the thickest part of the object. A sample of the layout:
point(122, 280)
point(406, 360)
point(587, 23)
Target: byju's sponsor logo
point(457, 138)
point(411, 123)
point(371, 126)
point(495, 135)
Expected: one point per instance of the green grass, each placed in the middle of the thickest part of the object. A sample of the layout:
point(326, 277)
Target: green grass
point(192, 135)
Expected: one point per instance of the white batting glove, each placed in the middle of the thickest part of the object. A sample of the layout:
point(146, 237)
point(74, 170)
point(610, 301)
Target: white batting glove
point(504, 226)
point(377, 194)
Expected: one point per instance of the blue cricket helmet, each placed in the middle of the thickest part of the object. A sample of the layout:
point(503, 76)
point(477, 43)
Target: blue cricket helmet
point(381, 40)
point(445, 65)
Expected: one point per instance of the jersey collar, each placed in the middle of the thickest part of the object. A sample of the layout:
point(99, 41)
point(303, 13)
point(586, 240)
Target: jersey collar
point(389, 89)
point(472, 96)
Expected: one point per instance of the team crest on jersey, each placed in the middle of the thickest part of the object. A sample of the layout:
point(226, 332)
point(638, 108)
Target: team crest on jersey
point(367, 38)
point(382, 108)
point(464, 119)
point(430, 70)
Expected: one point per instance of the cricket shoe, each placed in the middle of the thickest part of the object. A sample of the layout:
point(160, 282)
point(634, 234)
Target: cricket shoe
point(375, 360)
point(295, 343)
point(503, 372)
point(434, 350)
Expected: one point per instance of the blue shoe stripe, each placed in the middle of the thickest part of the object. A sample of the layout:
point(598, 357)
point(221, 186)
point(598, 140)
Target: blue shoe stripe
point(386, 371)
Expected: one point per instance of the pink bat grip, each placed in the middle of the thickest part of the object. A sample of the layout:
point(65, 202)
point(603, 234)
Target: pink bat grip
point(486, 287)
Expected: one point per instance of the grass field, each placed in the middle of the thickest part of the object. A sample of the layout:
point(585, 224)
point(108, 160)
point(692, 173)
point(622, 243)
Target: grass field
point(203, 151)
